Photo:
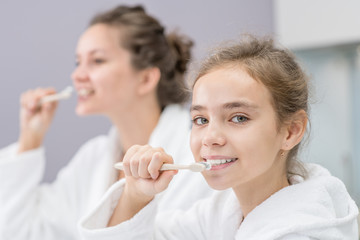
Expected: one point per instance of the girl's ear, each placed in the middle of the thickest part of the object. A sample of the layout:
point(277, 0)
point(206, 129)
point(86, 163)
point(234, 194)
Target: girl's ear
point(295, 130)
point(149, 80)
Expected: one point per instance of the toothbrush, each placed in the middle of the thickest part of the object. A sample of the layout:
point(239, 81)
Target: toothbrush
point(195, 167)
point(64, 94)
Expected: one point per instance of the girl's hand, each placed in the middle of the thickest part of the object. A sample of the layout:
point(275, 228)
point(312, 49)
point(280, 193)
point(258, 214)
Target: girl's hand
point(144, 180)
point(35, 118)
point(142, 170)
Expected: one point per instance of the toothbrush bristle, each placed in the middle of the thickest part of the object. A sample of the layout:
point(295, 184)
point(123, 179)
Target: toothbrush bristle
point(207, 165)
point(67, 92)
point(68, 89)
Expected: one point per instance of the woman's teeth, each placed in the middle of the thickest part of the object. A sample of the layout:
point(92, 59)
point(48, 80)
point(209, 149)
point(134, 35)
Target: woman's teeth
point(220, 161)
point(85, 92)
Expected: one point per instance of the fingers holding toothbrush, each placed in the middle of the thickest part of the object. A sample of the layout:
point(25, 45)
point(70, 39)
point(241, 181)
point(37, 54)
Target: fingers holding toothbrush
point(30, 103)
point(142, 164)
point(35, 117)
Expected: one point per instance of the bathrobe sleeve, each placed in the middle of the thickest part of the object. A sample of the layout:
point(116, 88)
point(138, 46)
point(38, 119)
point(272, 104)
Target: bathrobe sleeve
point(148, 223)
point(212, 218)
point(30, 210)
point(295, 237)
point(152, 223)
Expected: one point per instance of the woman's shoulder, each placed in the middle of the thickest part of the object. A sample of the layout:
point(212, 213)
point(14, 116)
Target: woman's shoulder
point(101, 142)
point(173, 129)
point(95, 148)
point(93, 145)
point(175, 113)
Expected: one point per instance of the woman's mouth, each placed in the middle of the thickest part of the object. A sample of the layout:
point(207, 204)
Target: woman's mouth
point(85, 92)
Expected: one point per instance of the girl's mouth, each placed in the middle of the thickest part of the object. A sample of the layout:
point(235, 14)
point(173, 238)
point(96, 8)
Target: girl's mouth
point(220, 163)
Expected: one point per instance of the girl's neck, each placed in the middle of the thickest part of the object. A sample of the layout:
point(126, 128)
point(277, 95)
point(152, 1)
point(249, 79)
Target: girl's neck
point(252, 194)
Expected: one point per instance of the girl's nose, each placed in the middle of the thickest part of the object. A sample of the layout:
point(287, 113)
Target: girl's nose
point(213, 136)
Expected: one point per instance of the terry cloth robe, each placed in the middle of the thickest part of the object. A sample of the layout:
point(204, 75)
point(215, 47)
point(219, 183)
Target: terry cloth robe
point(316, 208)
point(33, 211)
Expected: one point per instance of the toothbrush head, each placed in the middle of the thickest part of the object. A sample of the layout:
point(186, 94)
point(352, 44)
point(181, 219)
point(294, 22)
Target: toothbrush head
point(207, 165)
point(200, 166)
point(64, 94)
point(67, 91)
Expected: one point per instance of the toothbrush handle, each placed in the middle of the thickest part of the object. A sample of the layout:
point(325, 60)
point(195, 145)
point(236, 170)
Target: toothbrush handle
point(194, 167)
point(50, 98)
point(64, 94)
point(164, 167)
point(168, 166)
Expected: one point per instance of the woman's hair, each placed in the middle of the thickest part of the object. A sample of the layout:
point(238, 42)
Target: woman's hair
point(143, 36)
point(274, 67)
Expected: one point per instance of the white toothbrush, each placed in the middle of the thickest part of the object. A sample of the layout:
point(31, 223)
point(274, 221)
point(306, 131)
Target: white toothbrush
point(64, 94)
point(195, 167)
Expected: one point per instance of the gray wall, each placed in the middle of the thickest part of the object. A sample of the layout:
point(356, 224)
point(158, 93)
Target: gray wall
point(37, 44)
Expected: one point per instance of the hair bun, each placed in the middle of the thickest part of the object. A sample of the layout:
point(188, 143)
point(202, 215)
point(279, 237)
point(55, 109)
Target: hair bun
point(181, 45)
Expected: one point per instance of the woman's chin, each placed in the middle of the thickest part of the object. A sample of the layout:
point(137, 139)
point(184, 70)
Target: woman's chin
point(80, 111)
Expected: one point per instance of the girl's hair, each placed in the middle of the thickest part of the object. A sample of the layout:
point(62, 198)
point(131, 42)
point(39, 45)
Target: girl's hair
point(143, 36)
point(274, 67)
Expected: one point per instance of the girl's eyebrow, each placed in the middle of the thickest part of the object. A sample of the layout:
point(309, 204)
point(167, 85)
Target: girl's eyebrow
point(230, 105)
point(196, 108)
point(240, 104)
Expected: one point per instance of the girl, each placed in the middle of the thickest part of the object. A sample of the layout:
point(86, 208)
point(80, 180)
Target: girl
point(132, 73)
point(250, 113)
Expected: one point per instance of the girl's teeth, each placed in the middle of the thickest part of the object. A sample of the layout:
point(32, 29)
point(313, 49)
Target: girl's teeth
point(220, 161)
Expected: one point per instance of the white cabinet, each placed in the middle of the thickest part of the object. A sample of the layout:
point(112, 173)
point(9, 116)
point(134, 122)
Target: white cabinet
point(325, 34)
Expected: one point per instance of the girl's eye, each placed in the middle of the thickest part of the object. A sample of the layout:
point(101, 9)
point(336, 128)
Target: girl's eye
point(239, 119)
point(200, 121)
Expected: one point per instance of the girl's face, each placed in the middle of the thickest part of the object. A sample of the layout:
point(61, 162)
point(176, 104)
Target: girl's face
point(104, 77)
point(234, 128)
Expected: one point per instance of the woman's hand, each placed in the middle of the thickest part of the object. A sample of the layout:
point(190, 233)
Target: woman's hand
point(35, 118)
point(144, 180)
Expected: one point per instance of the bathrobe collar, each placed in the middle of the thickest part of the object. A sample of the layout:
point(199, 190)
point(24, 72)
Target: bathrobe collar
point(318, 207)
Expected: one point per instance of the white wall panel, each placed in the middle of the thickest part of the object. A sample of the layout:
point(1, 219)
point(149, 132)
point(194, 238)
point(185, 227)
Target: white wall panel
point(301, 24)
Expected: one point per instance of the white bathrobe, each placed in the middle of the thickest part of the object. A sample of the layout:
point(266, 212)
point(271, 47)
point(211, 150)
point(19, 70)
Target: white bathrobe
point(317, 208)
point(30, 210)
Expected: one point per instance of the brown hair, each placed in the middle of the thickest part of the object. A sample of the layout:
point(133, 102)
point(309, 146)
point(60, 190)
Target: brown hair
point(143, 36)
point(277, 69)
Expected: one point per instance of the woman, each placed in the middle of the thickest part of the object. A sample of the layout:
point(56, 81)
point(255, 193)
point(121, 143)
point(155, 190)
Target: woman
point(129, 71)
point(249, 111)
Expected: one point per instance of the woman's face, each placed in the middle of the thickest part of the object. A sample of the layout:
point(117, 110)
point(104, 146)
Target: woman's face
point(104, 77)
point(234, 128)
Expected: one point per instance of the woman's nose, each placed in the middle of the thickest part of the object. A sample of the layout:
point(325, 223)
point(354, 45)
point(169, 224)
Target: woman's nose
point(79, 74)
point(214, 136)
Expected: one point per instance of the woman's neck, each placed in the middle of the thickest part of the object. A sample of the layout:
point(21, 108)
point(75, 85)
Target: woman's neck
point(136, 125)
point(252, 194)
